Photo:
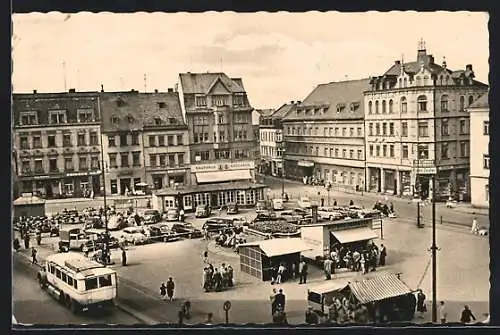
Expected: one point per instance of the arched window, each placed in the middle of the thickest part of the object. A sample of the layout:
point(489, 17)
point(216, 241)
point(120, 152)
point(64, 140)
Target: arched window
point(444, 103)
point(376, 107)
point(383, 107)
point(471, 99)
point(391, 110)
point(462, 103)
point(370, 107)
point(400, 82)
point(404, 105)
point(441, 79)
point(422, 103)
point(405, 82)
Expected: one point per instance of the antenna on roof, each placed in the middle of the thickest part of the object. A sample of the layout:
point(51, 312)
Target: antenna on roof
point(64, 74)
point(145, 82)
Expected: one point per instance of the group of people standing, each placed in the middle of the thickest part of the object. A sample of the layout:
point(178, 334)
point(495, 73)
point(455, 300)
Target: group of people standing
point(282, 272)
point(218, 279)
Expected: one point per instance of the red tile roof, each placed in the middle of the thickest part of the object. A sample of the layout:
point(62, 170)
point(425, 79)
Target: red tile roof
point(193, 83)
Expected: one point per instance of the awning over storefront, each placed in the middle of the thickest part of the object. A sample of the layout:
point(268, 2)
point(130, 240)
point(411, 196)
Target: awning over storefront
point(354, 235)
point(305, 163)
point(221, 176)
point(279, 246)
point(379, 288)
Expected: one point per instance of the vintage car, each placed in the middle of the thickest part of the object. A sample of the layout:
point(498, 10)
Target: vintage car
point(217, 224)
point(304, 202)
point(173, 214)
point(329, 213)
point(232, 208)
point(186, 230)
point(134, 235)
point(202, 211)
point(151, 216)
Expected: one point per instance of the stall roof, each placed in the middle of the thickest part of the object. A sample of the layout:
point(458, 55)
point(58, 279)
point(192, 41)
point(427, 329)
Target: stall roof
point(329, 286)
point(279, 246)
point(28, 200)
point(378, 288)
point(354, 235)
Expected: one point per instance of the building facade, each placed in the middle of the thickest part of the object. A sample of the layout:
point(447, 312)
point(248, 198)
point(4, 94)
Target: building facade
point(417, 125)
point(324, 136)
point(57, 143)
point(145, 141)
point(480, 156)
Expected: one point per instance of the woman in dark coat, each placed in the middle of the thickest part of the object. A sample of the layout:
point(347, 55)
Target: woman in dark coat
point(467, 315)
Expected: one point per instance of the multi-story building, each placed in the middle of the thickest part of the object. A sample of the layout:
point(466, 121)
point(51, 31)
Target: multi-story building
point(57, 143)
point(221, 138)
point(145, 140)
point(271, 139)
point(417, 125)
point(480, 156)
point(324, 136)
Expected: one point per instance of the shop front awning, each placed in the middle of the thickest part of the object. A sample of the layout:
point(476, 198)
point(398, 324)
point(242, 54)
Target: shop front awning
point(279, 246)
point(354, 235)
point(379, 288)
point(221, 176)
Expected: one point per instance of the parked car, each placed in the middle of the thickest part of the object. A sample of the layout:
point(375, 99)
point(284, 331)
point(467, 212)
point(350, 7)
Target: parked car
point(304, 202)
point(217, 224)
point(266, 216)
point(186, 229)
point(151, 216)
point(164, 233)
point(240, 221)
point(261, 206)
point(290, 216)
point(173, 214)
point(202, 211)
point(232, 208)
point(329, 213)
point(116, 222)
point(134, 235)
point(278, 204)
point(96, 241)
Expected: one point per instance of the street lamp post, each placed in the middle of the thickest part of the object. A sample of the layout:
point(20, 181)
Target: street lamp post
point(282, 170)
point(105, 249)
point(434, 249)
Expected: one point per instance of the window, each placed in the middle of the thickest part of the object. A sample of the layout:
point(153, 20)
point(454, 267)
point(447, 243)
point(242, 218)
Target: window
point(124, 160)
point(162, 160)
point(202, 156)
point(94, 162)
point(58, 273)
point(360, 133)
point(93, 138)
point(371, 150)
point(24, 142)
point(405, 151)
point(444, 103)
point(201, 101)
point(222, 154)
point(325, 152)
point(340, 108)
point(325, 131)
point(445, 128)
point(157, 121)
point(464, 152)
point(170, 139)
point(152, 141)
point(152, 160)
point(115, 119)
point(377, 129)
point(444, 151)
point(51, 141)
point(85, 115)
point(423, 128)
point(91, 284)
point(53, 164)
point(82, 163)
point(336, 152)
point(404, 128)
point(68, 164)
point(384, 107)
point(56, 117)
point(123, 140)
point(384, 128)
point(404, 105)
point(241, 154)
point(135, 139)
point(391, 107)
point(351, 154)
point(377, 150)
point(39, 166)
point(463, 127)
point(180, 159)
point(37, 141)
point(161, 140)
point(391, 129)
point(486, 127)
point(462, 103)
point(351, 132)
point(336, 131)
point(81, 140)
point(136, 158)
point(471, 99)
point(384, 150)
point(70, 280)
point(112, 160)
point(29, 118)
point(391, 150)
point(344, 153)
point(25, 168)
point(376, 107)
point(486, 161)
point(422, 103)
point(423, 151)
point(360, 154)
point(162, 104)
point(180, 140)
point(114, 186)
point(486, 192)
point(105, 280)
point(67, 140)
point(111, 141)
point(370, 107)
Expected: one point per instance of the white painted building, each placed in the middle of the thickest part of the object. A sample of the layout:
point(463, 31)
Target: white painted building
point(480, 154)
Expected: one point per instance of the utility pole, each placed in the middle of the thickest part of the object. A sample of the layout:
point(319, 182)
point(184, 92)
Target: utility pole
point(105, 250)
point(434, 253)
point(64, 74)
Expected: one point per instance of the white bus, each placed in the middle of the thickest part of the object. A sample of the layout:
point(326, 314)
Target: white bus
point(78, 282)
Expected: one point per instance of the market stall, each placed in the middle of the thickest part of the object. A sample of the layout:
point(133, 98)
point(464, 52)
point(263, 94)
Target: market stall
point(259, 257)
point(28, 205)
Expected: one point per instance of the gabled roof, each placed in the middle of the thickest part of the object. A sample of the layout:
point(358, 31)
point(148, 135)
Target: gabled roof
point(135, 110)
point(283, 111)
point(482, 102)
point(331, 96)
point(201, 83)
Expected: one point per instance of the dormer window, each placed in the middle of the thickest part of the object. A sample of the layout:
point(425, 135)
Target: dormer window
point(162, 105)
point(200, 101)
point(157, 121)
point(56, 117)
point(29, 118)
point(86, 115)
point(340, 108)
point(172, 120)
point(355, 106)
point(115, 119)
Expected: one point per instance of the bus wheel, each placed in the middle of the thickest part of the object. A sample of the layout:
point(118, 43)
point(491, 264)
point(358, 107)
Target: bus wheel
point(73, 305)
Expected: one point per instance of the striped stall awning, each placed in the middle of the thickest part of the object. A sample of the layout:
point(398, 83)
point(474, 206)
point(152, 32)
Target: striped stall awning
point(378, 288)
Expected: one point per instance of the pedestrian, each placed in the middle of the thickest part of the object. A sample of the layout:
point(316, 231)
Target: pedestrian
point(209, 321)
point(442, 312)
point(475, 228)
point(280, 300)
point(124, 257)
point(17, 245)
point(328, 265)
point(335, 203)
point(33, 256)
point(180, 316)
point(186, 309)
point(181, 215)
point(421, 306)
point(322, 202)
point(217, 280)
point(302, 271)
point(281, 271)
point(170, 288)
point(351, 203)
point(38, 236)
point(311, 316)
point(467, 315)
point(383, 255)
point(272, 298)
point(230, 274)
point(26, 240)
point(294, 270)
point(163, 291)
point(362, 262)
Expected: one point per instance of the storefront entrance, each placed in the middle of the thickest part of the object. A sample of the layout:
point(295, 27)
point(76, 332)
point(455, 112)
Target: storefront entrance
point(125, 185)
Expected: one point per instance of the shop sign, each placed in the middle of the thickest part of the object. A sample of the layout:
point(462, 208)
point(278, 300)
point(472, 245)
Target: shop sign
point(305, 163)
point(222, 166)
point(426, 170)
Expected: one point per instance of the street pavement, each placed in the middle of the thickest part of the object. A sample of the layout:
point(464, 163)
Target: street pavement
point(31, 305)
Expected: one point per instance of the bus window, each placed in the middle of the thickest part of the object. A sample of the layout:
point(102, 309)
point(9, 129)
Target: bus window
point(105, 281)
point(72, 237)
point(70, 281)
point(63, 276)
point(58, 273)
point(75, 284)
point(90, 284)
point(52, 269)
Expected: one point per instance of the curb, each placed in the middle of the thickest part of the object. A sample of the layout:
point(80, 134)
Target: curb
point(142, 318)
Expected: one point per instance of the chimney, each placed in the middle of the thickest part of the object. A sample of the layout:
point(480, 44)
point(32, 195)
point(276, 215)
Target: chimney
point(397, 62)
point(170, 90)
point(431, 59)
point(156, 90)
point(468, 67)
point(292, 102)
point(102, 88)
point(34, 91)
point(298, 102)
point(72, 90)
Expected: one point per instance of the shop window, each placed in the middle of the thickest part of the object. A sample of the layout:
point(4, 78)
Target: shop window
point(114, 186)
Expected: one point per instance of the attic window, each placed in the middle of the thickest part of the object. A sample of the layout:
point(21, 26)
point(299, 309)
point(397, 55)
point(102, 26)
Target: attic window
point(172, 120)
point(340, 108)
point(157, 121)
point(316, 110)
point(115, 119)
point(130, 119)
point(298, 111)
point(162, 104)
point(354, 106)
point(120, 102)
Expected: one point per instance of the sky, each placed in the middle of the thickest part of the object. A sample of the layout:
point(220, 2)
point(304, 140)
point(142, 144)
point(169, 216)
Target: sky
point(280, 56)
